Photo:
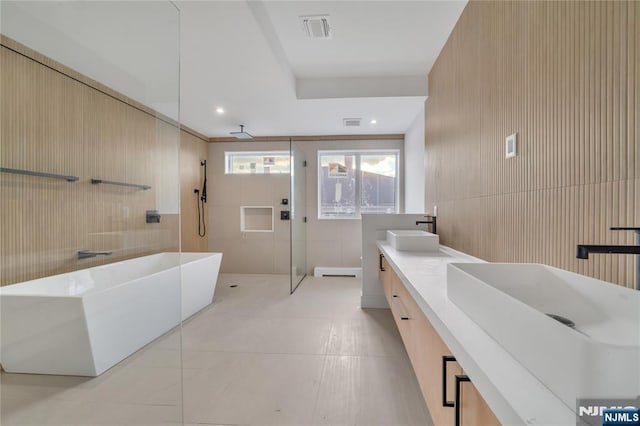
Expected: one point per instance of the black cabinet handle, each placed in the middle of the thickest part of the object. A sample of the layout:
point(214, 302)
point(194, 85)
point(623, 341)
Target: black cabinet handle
point(459, 380)
point(399, 311)
point(445, 360)
point(381, 267)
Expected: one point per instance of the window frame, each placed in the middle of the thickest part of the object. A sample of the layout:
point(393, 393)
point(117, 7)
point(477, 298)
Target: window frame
point(228, 158)
point(358, 204)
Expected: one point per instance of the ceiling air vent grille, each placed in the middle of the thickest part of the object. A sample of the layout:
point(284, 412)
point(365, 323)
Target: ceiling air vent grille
point(316, 26)
point(351, 122)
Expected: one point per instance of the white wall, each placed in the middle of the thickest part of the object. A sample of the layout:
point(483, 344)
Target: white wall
point(414, 166)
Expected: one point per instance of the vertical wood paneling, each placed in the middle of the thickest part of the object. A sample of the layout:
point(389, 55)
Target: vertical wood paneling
point(192, 151)
point(54, 123)
point(564, 76)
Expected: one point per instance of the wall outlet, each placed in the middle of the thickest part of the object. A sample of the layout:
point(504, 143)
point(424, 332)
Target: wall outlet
point(511, 143)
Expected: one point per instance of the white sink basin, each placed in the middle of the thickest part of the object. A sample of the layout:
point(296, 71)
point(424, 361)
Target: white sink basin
point(413, 240)
point(600, 358)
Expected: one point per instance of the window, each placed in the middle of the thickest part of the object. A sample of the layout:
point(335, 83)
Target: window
point(355, 182)
point(256, 162)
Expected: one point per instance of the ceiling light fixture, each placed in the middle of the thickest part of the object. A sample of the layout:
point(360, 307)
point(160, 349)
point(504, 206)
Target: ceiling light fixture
point(241, 134)
point(220, 110)
point(374, 121)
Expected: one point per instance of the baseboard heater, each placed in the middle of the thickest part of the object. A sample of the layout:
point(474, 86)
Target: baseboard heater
point(327, 271)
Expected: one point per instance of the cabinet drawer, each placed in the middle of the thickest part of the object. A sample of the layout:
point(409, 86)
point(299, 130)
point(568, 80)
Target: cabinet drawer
point(474, 409)
point(428, 352)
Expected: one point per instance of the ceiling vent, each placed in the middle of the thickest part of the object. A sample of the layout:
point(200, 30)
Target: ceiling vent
point(351, 122)
point(316, 26)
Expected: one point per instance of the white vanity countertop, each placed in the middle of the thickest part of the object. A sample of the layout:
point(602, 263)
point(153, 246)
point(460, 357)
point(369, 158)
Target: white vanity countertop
point(515, 395)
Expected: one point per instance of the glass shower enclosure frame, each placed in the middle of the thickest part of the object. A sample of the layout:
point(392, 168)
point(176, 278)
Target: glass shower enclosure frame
point(298, 214)
point(89, 145)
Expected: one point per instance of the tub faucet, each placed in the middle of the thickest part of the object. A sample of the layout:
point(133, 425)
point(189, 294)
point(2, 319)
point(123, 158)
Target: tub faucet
point(84, 254)
point(583, 250)
point(432, 221)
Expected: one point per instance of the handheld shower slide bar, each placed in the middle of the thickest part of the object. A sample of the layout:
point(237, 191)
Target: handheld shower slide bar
point(201, 199)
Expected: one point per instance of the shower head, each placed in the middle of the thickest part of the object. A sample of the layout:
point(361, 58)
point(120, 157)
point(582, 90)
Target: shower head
point(241, 134)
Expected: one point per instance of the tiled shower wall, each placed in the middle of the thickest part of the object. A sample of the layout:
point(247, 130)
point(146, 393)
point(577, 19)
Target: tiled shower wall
point(247, 252)
point(329, 242)
point(564, 76)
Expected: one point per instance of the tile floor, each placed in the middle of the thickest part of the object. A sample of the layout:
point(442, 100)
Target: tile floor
point(258, 356)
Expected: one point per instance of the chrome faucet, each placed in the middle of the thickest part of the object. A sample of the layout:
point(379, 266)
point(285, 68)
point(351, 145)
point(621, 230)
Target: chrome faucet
point(84, 254)
point(583, 250)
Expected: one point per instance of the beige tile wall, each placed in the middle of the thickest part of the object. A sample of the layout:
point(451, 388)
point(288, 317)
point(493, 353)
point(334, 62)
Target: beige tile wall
point(249, 252)
point(329, 242)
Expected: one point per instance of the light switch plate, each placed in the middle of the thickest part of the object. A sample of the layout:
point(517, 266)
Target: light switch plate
point(511, 145)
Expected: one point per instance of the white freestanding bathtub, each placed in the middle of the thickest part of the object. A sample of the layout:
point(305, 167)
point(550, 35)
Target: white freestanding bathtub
point(84, 322)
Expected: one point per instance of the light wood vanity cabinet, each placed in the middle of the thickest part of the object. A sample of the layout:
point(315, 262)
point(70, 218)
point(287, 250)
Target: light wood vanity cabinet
point(433, 364)
point(384, 274)
point(474, 409)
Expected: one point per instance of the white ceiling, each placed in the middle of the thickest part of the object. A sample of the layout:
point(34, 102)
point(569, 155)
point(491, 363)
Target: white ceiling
point(370, 38)
point(252, 58)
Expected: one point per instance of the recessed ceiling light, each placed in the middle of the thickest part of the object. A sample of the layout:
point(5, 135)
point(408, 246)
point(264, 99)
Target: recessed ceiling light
point(220, 110)
point(374, 121)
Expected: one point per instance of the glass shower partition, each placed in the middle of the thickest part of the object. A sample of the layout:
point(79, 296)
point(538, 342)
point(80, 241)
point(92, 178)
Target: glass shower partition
point(90, 296)
point(298, 215)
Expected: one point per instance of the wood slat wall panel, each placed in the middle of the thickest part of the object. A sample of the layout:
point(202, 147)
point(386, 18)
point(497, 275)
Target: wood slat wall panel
point(63, 69)
point(564, 76)
point(192, 151)
point(57, 123)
